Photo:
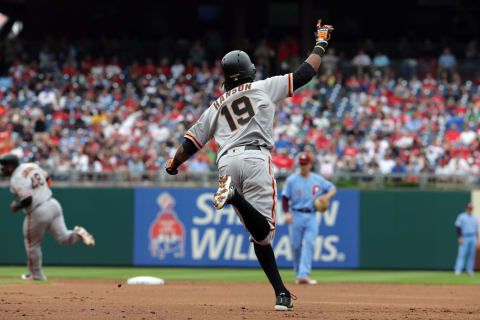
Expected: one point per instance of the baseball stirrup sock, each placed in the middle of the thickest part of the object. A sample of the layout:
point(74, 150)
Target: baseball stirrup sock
point(255, 222)
point(266, 257)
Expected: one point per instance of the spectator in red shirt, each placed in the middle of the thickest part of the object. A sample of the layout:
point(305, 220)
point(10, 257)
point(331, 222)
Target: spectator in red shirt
point(135, 68)
point(165, 67)
point(283, 160)
point(149, 67)
point(322, 141)
point(452, 134)
point(350, 151)
point(189, 68)
point(283, 53)
point(348, 121)
point(69, 68)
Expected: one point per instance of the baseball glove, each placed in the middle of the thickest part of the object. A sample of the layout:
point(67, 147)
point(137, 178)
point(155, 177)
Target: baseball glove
point(321, 204)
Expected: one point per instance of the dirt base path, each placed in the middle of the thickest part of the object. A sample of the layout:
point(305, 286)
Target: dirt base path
point(98, 299)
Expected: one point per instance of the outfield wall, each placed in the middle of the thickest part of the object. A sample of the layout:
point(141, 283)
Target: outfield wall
point(107, 213)
point(180, 227)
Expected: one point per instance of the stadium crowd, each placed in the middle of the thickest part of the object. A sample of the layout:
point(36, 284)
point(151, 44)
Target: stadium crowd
point(93, 114)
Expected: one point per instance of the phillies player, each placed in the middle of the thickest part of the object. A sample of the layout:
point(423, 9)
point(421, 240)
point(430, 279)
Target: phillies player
point(29, 183)
point(241, 122)
point(299, 194)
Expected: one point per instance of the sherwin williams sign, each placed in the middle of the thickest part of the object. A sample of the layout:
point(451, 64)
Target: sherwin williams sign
point(180, 227)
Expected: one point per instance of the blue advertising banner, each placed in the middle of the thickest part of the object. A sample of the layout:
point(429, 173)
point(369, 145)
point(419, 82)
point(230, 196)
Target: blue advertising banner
point(180, 227)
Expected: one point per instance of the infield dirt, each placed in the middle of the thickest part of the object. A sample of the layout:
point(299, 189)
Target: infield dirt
point(99, 299)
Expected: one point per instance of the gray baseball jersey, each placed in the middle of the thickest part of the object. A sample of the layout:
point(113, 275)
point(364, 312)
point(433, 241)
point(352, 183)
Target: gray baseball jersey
point(27, 180)
point(242, 116)
point(45, 213)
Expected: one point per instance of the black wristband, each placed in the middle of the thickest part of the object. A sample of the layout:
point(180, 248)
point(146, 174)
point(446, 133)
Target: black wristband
point(176, 163)
point(320, 48)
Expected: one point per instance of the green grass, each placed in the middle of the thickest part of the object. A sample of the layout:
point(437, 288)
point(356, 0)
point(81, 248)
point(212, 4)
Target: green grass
point(10, 275)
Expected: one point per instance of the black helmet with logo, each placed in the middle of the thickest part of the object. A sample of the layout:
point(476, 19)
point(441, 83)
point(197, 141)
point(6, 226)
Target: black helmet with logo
point(8, 160)
point(237, 69)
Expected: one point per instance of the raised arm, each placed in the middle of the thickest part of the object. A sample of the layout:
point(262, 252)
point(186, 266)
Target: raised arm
point(309, 68)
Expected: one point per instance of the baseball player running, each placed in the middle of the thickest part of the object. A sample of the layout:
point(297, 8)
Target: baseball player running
point(29, 183)
point(299, 194)
point(241, 122)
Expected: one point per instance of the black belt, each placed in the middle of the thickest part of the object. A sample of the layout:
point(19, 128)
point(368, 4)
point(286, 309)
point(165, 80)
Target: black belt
point(244, 148)
point(304, 210)
point(469, 234)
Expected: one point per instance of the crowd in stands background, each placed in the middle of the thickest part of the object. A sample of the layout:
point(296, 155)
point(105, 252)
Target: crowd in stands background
point(73, 110)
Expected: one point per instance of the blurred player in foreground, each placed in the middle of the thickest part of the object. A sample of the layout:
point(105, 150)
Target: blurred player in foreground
point(298, 200)
point(467, 229)
point(29, 183)
point(241, 122)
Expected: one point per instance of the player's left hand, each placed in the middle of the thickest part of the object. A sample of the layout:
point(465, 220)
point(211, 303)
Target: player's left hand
point(323, 33)
point(13, 206)
point(170, 168)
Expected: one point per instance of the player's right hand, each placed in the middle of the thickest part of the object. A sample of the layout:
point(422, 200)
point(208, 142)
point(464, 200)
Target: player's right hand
point(170, 168)
point(323, 33)
point(460, 240)
point(288, 218)
point(13, 206)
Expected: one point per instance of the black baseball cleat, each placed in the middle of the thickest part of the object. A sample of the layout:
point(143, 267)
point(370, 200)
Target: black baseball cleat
point(225, 192)
point(284, 302)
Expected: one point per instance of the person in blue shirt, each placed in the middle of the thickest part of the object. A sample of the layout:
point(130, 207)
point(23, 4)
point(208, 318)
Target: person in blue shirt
point(447, 60)
point(467, 229)
point(399, 166)
point(300, 191)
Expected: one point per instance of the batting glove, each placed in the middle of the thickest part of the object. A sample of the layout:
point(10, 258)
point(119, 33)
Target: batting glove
point(322, 36)
point(170, 168)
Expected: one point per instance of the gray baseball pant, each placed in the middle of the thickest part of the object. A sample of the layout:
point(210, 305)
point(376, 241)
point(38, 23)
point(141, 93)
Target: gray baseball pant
point(252, 175)
point(47, 216)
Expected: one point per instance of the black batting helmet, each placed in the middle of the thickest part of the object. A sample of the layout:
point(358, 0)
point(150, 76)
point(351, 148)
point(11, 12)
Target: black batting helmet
point(237, 69)
point(9, 159)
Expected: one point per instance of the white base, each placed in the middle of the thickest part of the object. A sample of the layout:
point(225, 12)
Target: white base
point(146, 280)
